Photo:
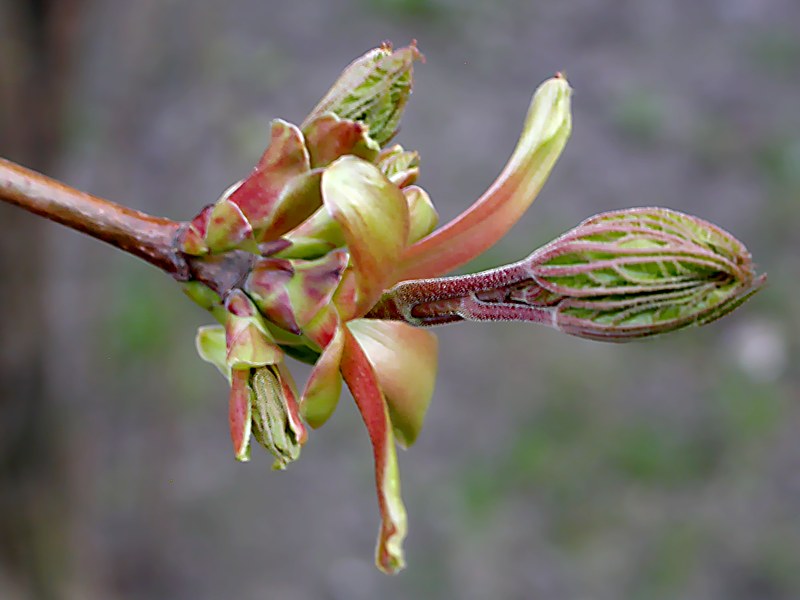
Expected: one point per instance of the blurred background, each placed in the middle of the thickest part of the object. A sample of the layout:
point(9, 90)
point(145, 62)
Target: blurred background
point(549, 467)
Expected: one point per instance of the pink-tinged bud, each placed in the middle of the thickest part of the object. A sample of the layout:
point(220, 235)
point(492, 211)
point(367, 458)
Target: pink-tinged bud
point(617, 276)
point(372, 90)
point(640, 272)
point(328, 137)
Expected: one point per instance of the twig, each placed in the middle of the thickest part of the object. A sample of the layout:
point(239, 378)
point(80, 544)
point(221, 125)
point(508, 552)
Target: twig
point(149, 238)
point(153, 239)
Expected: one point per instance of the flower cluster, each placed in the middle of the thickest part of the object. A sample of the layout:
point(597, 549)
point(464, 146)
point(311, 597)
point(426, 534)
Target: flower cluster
point(344, 258)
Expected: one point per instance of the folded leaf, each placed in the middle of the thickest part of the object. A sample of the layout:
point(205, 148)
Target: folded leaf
point(363, 384)
point(373, 216)
point(405, 361)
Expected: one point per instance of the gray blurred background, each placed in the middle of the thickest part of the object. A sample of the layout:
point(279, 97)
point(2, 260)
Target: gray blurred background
point(549, 467)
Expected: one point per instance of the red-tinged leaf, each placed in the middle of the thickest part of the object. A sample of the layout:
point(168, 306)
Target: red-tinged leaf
point(363, 384)
point(405, 361)
point(300, 197)
point(247, 340)
point(324, 385)
point(193, 239)
point(228, 228)
point(373, 215)
point(328, 137)
point(239, 414)
point(547, 127)
point(285, 158)
point(314, 284)
point(293, 408)
point(266, 284)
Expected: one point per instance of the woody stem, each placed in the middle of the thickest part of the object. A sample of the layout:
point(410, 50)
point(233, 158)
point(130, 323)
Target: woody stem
point(153, 239)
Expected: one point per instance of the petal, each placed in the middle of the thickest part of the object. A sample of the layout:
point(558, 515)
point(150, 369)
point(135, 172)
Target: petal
point(545, 133)
point(363, 383)
point(239, 414)
point(405, 361)
point(373, 216)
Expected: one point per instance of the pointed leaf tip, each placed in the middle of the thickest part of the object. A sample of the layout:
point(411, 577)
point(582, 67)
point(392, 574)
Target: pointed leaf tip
point(547, 127)
point(363, 383)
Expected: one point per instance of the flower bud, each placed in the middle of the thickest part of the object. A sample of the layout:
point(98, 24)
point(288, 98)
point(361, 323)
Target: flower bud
point(640, 272)
point(615, 277)
point(276, 424)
